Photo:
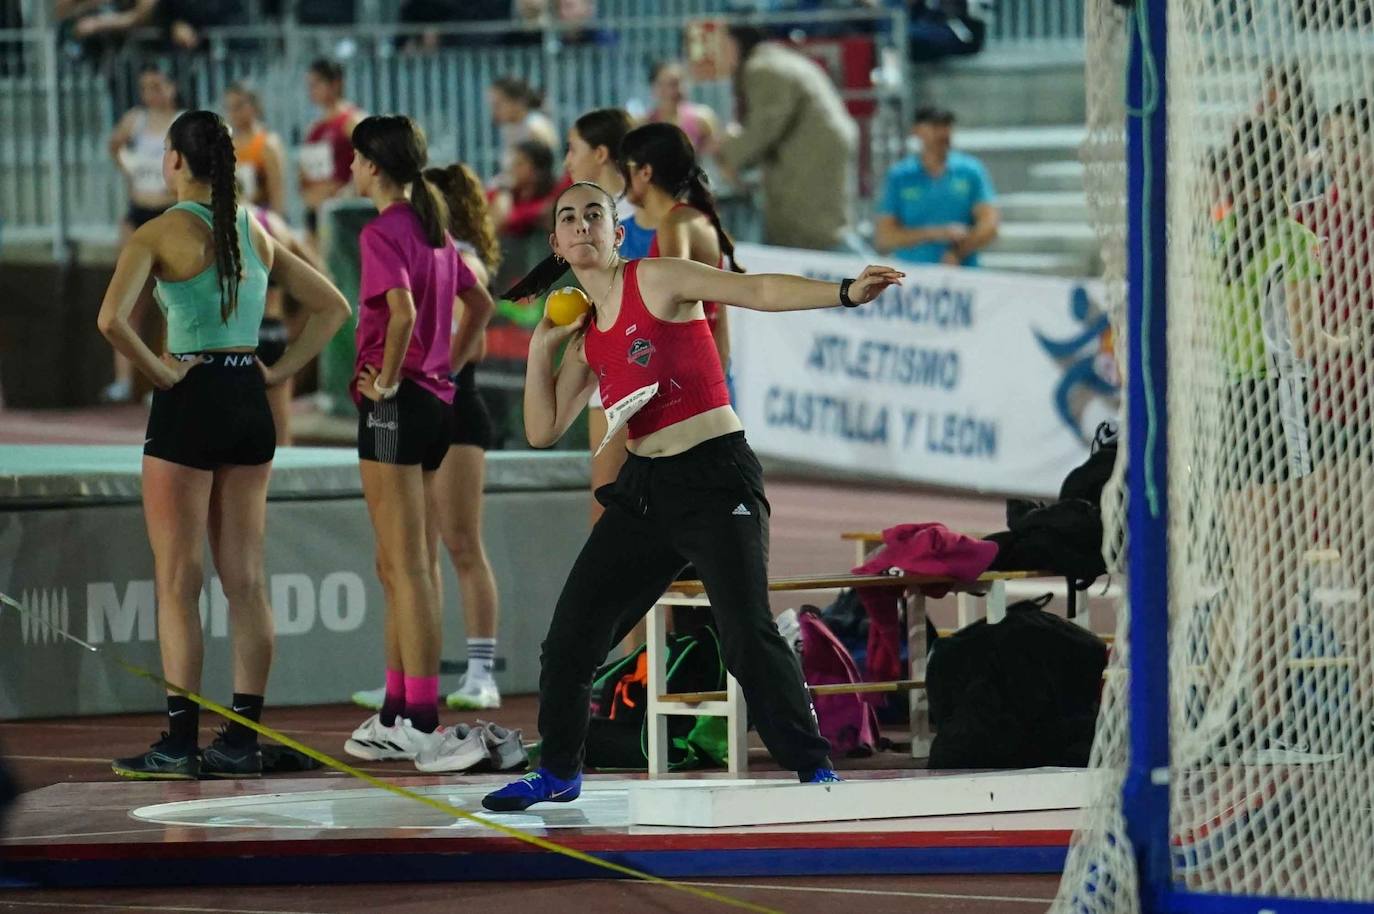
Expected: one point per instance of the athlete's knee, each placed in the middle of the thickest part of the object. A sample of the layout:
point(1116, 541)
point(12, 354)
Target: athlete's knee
point(244, 587)
point(181, 582)
point(464, 547)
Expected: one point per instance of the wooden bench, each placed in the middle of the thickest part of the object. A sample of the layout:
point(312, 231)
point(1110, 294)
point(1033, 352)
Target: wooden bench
point(729, 704)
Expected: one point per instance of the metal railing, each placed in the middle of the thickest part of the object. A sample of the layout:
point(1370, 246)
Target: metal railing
point(57, 181)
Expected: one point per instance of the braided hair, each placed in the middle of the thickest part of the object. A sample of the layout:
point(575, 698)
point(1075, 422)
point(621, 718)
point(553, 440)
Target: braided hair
point(548, 271)
point(397, 146)
point(676, 172)
point(202, 139)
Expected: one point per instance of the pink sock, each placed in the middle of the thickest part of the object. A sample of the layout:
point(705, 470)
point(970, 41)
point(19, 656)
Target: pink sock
point(422, 702)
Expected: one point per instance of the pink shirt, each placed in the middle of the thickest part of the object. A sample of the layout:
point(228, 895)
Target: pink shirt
point(395, 255)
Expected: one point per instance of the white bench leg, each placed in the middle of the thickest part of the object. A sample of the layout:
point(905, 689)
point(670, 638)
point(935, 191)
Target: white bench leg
point(997, 602)
point(916, 656)
point(967, 606)
point(656, 644)
point(736, 727)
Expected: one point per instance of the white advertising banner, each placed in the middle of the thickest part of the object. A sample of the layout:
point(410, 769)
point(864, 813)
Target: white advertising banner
point(967, 378)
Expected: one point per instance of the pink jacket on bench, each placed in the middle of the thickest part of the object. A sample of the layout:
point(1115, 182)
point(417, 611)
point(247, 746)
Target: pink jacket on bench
point(924, 549)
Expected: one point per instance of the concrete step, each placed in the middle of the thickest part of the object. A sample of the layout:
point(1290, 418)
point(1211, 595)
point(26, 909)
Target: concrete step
point(1044, 85)
point(1073, 266)
point(1045, 238)
point(1044, 206)
point(1061, 175)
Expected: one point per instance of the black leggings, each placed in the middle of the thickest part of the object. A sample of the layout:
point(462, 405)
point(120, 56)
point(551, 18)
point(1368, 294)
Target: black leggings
point(707, 507)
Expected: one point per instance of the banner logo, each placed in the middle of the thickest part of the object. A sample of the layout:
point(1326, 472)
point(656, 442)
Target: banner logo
point(1087, 364)
point(48, 605)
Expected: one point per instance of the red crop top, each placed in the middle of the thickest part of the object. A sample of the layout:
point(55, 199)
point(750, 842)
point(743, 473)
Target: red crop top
point(640, 349)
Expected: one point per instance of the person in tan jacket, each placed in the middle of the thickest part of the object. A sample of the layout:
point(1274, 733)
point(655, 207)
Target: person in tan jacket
point(796, 129)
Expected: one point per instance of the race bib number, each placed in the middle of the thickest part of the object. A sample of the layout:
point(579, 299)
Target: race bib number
point(145, 174)
point(317, 161)
point(247, 178)
point(619, 413)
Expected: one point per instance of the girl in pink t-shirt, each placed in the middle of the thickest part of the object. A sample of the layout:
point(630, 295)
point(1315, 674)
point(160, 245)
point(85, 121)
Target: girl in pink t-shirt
point(411, 274)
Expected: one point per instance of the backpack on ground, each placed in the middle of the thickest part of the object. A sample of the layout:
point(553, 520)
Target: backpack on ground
point(848, 721)
point(618, 736)
point(1020, 693)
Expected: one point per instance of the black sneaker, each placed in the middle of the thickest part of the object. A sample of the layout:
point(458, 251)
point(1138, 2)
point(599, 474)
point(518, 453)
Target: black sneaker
point(164, 761)
point(222, 759)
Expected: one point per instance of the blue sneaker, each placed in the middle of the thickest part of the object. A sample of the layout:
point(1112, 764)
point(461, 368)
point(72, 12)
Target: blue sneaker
point(539, 786)
point(820, 776)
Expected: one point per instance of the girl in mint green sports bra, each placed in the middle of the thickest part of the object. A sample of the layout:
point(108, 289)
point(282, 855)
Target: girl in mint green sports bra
point(207, 453)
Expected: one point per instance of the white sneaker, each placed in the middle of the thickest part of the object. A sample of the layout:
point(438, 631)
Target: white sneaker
point(458, 748)
point(505, 750)
point(480, 695)
point(377, 743)
point(370, 698)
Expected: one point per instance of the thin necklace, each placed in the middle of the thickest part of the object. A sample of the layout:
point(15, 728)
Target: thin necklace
point(611, 284)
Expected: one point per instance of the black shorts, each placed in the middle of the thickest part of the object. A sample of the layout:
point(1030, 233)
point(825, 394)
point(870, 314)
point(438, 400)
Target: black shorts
point(412, 427)
point(272, 340)
point(472, 424)
point(139, 216)
point(1265, 442)
point(215, 416)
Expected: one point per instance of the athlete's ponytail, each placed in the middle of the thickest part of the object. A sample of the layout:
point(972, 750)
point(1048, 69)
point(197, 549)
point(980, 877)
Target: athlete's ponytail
point(396, 145)
point(202, 139)
point(669, 152)
point(698, 196)
point(548, 271)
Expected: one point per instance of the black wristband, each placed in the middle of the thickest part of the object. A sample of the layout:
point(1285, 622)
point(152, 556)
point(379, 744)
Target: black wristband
point(844, 293)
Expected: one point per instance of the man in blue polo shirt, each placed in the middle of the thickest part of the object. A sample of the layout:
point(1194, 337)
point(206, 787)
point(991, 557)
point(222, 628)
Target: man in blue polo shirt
point(938, 206)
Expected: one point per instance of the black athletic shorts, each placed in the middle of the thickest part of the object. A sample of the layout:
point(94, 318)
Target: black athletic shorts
point(471, 421)
point(412, 427)
point(272, 340)
point(139, 216)
point(215, 416)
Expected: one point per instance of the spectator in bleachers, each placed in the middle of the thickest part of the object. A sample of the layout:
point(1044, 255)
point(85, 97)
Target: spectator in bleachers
point(797, 130)
point(136, 145)
point(671, 106)
point(515, 108)
point(523, 208)
point(326, 158)
point(946, 28)
point(261, 161)
point(938, 205)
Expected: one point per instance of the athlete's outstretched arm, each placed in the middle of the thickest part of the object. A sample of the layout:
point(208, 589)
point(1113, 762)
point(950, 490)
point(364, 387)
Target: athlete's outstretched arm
point(671, 281)
point(554, 398)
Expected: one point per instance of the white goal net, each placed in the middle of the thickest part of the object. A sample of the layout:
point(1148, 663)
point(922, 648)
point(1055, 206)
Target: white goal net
point(1270, 411)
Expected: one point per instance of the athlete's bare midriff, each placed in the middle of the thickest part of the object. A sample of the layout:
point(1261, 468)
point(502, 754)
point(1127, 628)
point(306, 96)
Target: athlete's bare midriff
point(687, 434)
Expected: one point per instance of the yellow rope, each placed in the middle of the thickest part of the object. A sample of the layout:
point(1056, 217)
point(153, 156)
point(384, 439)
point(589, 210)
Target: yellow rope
point(440, 805)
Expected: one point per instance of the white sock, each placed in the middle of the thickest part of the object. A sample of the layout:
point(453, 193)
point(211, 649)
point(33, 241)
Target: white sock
point(481, 659)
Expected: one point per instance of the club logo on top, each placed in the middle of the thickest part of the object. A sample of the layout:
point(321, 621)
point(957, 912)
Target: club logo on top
point(641, 351)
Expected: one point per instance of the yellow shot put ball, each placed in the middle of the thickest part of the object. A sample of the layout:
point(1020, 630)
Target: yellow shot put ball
point(567, 304)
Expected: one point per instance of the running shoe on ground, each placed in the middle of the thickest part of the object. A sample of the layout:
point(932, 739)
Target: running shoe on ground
point(505, 749)
point(539, 786)
point(457, 749)
point(819, 776)
point(222, 759)
point(475, 695)
point(164, 761)
point(377, 743)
